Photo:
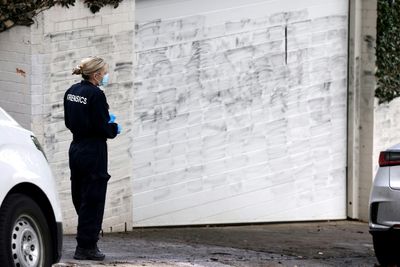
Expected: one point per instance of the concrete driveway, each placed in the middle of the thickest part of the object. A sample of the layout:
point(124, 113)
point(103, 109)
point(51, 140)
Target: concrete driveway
point(336, 243)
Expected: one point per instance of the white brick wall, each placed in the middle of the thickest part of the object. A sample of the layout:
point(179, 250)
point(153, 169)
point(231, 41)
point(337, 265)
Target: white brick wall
point(76, 34)
point(387, 128)
point(15, 74)
point(47, 52)
point(224, 129)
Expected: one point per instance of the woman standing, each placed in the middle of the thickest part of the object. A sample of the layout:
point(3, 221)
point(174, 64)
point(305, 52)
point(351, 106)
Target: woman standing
point(87, 117)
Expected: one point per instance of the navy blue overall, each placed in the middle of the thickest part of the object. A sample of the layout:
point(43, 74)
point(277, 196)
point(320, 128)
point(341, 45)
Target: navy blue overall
point(86, 116)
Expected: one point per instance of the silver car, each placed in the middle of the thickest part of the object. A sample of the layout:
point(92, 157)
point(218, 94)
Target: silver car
point(384, 218)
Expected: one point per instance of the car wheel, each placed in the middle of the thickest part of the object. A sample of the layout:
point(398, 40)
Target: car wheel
point(385, 247)
point(25, 239)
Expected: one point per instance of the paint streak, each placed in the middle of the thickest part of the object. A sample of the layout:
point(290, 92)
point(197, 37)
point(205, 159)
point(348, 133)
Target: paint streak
point(20, 72)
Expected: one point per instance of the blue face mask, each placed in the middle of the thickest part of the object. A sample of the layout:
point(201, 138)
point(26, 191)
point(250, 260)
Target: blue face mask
point(104, 81)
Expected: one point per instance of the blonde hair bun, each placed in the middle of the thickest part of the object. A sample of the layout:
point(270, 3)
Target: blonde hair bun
point(77, 70)
point(89, 66)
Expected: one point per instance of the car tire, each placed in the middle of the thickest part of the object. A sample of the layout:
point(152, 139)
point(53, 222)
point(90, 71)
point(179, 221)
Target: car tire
point(385, 246)
point(25, 238)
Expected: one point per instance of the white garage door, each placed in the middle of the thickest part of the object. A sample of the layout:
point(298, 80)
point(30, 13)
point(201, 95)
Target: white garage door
point(240, 111)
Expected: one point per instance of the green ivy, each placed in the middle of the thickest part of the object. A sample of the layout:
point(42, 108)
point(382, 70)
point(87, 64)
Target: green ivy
point(22, 12)
point(96, 5)
point(388, 51)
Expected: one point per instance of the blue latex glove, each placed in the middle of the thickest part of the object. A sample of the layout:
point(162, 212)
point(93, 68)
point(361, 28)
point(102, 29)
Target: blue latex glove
point(119, 129)
point(112, 118)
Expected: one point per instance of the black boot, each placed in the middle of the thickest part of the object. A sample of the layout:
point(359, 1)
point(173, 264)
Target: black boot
point(93, 254)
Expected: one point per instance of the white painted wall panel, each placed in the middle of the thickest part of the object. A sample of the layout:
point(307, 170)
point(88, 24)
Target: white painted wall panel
point(240, 111)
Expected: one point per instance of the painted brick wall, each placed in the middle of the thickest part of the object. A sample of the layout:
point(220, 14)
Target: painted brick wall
point(45, 54)
point(15, 74)
point(65, 37)
point(227, 109)
point(387, 128)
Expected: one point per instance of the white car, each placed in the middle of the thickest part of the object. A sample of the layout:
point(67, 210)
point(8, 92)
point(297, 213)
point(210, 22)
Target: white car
point(30, 215)
point(384, 205)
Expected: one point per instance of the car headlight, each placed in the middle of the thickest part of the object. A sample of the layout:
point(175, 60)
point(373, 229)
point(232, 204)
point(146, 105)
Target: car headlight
point(38, 145)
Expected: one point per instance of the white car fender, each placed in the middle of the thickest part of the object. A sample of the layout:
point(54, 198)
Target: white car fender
point(22, 162)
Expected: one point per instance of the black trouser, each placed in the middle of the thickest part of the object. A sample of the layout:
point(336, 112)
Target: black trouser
point(89, 177)
point(88, 196)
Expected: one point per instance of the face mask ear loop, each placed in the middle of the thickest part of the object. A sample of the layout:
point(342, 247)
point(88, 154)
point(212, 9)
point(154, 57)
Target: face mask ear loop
point(98, 82)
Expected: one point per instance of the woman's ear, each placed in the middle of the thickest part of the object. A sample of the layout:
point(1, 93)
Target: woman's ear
point(95, 78)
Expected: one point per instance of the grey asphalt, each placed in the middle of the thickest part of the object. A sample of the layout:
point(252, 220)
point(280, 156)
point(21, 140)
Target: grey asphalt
point(335, 243)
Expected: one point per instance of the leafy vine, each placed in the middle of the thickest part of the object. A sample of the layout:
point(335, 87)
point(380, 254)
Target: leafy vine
point(388, 51)
point(22, 12)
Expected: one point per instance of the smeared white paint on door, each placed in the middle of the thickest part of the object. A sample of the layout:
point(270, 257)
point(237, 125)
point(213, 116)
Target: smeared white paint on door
point(240, 111)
